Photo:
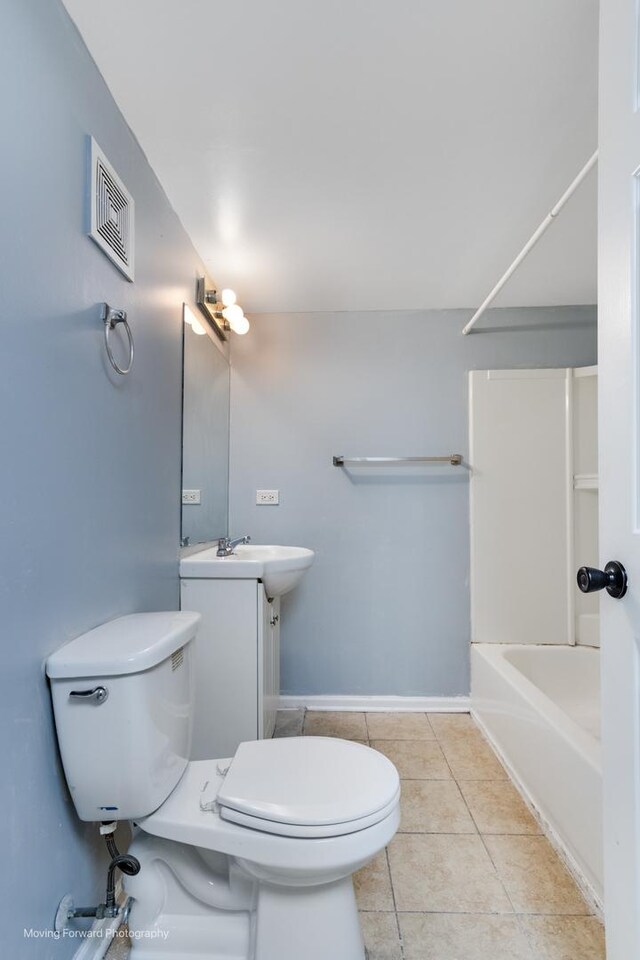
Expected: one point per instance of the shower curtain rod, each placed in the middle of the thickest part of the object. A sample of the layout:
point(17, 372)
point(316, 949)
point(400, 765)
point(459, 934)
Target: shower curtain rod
point(528, 247)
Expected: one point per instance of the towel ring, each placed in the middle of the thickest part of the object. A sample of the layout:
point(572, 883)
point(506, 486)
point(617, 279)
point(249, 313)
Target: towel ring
point(111, 319)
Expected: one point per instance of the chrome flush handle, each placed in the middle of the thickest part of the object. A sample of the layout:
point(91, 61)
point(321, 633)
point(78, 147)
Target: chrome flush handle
point(97, 695)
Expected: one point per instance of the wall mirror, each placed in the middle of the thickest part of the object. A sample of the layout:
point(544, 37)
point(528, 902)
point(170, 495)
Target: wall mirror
point(205, 436)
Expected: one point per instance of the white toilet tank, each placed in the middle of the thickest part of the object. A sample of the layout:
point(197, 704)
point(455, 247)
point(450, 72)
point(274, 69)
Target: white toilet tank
point(123, 705)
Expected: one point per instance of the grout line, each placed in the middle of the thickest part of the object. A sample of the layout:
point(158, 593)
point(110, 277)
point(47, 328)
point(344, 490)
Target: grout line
point(393, 898)
point(435, 735)
point(521, 927)
point(488, 780)
point(479, 834)
point(449, 767)
point(497, 872)
point(436, 833)
point(487, 913)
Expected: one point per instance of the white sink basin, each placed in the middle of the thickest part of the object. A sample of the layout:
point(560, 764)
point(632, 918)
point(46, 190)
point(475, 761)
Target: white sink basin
point(279, 568)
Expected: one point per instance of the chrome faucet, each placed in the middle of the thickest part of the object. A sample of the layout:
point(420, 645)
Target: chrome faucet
point(226, 546)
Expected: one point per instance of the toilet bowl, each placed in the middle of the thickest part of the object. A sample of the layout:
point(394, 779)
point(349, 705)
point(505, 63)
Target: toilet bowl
point(244, 858)
point(282, 889)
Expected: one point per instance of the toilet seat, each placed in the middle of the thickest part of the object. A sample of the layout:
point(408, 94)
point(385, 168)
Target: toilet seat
point(308, 787)
point(309, 831)
point(181, 819)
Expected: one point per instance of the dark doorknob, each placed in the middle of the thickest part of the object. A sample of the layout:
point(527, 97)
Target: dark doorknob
point(613, 579)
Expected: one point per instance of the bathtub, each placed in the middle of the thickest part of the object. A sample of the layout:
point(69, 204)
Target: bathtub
point(540, 708)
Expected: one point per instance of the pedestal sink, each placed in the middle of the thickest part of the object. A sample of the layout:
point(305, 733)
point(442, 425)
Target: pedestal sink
point(279, 568)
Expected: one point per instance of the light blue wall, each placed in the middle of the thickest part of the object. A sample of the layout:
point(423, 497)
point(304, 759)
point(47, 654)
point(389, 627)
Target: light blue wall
point(385, 608)
point(90, 478)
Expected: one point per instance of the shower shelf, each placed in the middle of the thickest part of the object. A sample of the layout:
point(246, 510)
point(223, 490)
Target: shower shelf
point(585, 481)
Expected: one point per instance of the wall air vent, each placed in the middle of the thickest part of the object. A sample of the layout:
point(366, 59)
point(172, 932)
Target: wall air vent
point(177, 658)
point(111, 212)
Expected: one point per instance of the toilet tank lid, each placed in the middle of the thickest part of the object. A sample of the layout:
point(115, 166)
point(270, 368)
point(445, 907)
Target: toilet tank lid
point(128, 644)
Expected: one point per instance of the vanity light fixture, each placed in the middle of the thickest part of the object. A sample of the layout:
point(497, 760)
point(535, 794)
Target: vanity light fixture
point(193, 321)
point(223, 314)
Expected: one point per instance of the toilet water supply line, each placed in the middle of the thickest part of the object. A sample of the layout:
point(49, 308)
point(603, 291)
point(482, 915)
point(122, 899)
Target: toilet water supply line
point(121, 861)
point(528, 247)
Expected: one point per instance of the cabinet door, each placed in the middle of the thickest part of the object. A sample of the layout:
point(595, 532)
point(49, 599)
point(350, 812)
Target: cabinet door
point(269, 681)
point(275, 658)
point(227, 664)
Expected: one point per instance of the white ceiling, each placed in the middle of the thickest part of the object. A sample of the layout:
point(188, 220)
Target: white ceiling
point(365, 154)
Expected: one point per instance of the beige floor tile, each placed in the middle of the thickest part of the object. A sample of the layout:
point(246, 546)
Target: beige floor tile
point(289, 723)
point(120, 947)
point(452, 726)
point(434, 806)
point(472, 759)
point(381, 937)
point(534, 876)
point(446, 936)
point(445, 873)
point(348, 726)
point(399, 726)
point(497, 807)
point(565, 938)
point(372, 885)
point(415, 759)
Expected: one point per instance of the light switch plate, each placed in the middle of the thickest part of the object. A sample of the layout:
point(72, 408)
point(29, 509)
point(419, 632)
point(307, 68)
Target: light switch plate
point(191, 496)
point(268, 498)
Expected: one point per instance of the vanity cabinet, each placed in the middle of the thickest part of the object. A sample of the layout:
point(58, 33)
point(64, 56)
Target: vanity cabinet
point(237, 663)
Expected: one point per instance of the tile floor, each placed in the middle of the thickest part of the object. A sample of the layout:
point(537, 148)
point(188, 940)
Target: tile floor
point(469, 875)
point(120, 949)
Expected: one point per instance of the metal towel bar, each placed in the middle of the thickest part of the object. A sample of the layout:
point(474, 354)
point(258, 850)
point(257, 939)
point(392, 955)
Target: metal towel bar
point(455, 459)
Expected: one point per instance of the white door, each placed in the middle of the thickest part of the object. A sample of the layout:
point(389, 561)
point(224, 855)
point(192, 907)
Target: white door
point(619, 432)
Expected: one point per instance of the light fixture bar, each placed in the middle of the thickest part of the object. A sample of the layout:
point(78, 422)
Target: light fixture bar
point(206, 300)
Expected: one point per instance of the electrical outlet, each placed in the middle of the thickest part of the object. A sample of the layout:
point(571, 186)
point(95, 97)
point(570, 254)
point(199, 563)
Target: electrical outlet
point(270, 498)
point(191, 496)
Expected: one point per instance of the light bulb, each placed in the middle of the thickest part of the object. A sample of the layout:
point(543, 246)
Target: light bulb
point(190, 318)
point(228, 297)
point(233, 313)
point(240, 326)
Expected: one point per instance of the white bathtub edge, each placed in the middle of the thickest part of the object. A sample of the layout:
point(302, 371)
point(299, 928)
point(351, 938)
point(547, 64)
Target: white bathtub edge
point(579, 739)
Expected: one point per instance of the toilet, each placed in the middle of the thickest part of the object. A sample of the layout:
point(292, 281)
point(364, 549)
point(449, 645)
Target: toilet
point(248, 857)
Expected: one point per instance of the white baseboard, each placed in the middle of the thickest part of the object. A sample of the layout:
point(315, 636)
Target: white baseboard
point(97, 940)
point(373, 704)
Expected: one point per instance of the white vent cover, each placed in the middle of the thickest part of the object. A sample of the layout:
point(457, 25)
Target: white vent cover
point(177, 658)
point(112, 212)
